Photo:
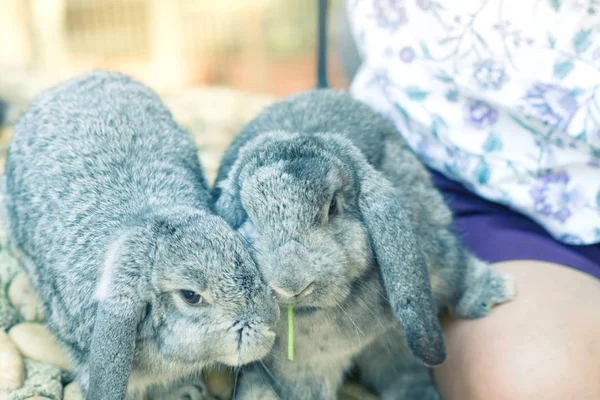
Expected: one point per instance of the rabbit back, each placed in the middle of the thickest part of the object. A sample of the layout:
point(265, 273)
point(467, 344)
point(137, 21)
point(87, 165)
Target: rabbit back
point(314, 112)
point(86, 159)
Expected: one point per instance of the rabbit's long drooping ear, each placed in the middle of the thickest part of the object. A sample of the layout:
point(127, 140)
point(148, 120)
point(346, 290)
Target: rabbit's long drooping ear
point(119, 311)
point(112, 348)
point(228, 203)
point(403, 269)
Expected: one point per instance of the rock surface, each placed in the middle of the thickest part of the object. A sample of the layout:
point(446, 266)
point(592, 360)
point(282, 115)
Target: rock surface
point(40, 380)
point(8, 315)
point(8, 269)
point(35, 341)
point(24, 299)
point(12, 367)
point(72, 392)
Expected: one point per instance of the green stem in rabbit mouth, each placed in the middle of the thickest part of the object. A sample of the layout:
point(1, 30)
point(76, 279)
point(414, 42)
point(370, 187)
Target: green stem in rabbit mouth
point(290, 332)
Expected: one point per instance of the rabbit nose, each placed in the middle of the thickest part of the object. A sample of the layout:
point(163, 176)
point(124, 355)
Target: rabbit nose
point(289, 292)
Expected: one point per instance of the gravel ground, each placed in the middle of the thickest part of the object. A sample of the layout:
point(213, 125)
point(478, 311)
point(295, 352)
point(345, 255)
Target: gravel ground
point(32, 365)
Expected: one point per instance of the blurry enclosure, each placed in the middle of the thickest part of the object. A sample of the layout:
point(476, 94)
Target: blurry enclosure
point(263, 46)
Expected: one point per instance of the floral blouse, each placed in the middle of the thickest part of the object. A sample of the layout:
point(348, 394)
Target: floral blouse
point(500, 95)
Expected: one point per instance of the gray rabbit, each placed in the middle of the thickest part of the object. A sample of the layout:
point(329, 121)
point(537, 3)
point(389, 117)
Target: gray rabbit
point(108, 206)
point(347, 226)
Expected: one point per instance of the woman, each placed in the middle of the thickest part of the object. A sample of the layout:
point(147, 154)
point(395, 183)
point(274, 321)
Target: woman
point(501, 99)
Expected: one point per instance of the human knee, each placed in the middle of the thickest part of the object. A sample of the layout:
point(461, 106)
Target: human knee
point(533, 372)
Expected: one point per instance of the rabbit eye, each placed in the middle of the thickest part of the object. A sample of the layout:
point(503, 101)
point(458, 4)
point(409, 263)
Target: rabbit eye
point(333, 209)
point(190, 297)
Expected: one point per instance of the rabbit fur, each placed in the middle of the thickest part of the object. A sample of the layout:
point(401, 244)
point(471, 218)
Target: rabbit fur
point(347, 226)
point(108, 206)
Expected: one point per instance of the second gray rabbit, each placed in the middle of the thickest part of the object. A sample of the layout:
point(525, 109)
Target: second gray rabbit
point(109, 209)
point(347, 227)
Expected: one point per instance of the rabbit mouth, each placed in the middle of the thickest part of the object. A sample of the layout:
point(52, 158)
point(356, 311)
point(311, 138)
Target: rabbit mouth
point(305, 310)
point(252, 342)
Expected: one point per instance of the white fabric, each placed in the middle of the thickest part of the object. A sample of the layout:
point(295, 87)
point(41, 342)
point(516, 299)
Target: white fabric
point(502, 96)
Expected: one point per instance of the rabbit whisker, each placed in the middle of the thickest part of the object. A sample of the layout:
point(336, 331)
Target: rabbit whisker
point(268, 380)
point(361, 302)
point(236, 370)
point(358, 330)
point(270, 374)
point(372, 289)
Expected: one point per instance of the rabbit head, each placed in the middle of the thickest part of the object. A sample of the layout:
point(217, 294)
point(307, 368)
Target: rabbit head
point(203, 301)
point(319, 215)
point(107, 198)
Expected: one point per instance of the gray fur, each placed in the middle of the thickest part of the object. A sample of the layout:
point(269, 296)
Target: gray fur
point(108, 206)
point(389, 255)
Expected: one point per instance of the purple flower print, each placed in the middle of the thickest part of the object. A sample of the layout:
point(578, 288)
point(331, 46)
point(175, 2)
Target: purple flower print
point(382, 81)
point(490, 75)
point(552, 104)
point(553, 196)
point(407, 54)
point(480, 114)
point(390, 14)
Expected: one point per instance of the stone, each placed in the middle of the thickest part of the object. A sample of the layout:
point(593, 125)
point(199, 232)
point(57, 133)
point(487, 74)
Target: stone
point(24, 298)
point(37, 398)
point(8, 315)
point(210, 163)
point(3, 221)
point(9, 267)
point(35, 341)
point(12, 367)
point(42, 380)
point(72, 392)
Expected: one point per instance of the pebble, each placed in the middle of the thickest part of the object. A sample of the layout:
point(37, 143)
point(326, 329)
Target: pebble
point(37, 398)
point(12, 368)
point(4, 237)
point(9, 266)
point(42, 380)
point(8, 315)
point(35, 341)
point(72, 392)
point(25, 299)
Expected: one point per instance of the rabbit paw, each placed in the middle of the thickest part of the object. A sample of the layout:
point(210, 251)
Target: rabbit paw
point(490, 289)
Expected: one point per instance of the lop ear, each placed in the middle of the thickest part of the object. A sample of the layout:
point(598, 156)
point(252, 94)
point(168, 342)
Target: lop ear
point(403, 269)
point(112, 348)
point(228, 202)
point(118, 314)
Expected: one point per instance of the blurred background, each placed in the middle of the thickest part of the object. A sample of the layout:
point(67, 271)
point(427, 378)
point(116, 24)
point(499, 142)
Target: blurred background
point(216, 63)
point(263, 46)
